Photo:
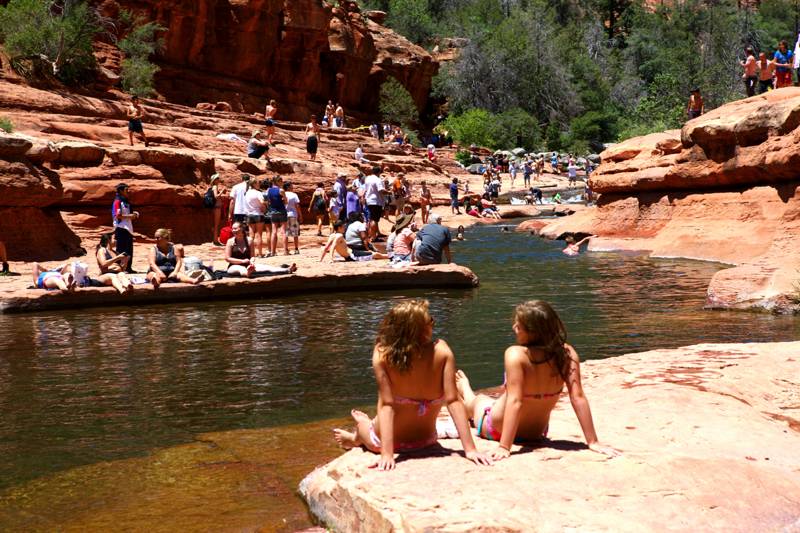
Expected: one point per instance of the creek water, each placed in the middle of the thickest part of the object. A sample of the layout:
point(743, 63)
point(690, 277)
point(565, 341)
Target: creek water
point(85, 386)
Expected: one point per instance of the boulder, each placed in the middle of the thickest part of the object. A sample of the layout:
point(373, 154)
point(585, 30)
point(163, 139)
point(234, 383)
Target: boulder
point(25, 185)
point(13, 146)
point(732, 465)
point(79, 154)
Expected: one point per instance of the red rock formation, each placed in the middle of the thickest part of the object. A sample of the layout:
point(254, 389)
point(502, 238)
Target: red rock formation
point(300, 52)
point(730, 466)
point(724, 188)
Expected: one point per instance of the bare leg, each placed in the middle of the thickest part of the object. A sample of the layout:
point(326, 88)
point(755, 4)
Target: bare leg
point(130, 137)
point(217, 217)
point(475, 403)
point(183, 278)
point(125, 281)
point(285, 239)
point(359, 437)
point(273, 243)
point(154, 279)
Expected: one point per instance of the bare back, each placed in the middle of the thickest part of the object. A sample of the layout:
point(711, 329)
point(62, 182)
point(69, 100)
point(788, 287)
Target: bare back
point(416, 394)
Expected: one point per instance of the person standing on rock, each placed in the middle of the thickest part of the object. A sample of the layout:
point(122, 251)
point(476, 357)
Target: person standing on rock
point(294, 214)
point(312, 138)
point(374, 190)
point(766, 71)
point(237, 210)
point(696, 105)
point(122, 217)
point(330, 110)
point(537, 368)
point(415, 373)
point(340, 189)
point(338, 116)
point(783, 61)
point(454, 197)
point(269, 120)
point(135, 115)
point(750, 66)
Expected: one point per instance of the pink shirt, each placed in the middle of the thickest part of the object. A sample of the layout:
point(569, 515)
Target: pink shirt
point(403, 241)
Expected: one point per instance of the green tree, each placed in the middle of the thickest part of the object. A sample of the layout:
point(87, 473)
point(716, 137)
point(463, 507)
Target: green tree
point(396, 104)
point(50, 37)
point(411, 19)
point(141, 41)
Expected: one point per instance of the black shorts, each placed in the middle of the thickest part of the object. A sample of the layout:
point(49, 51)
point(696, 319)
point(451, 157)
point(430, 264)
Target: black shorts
point(269, 122)
point(278, 217)
point(375, 212)
point(135, 126)
point(311, 145)
point(254, 219)
point(240, 218)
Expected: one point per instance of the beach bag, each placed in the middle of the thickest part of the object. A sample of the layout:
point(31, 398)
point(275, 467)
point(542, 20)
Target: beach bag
point(225, 234)
point(209, 200)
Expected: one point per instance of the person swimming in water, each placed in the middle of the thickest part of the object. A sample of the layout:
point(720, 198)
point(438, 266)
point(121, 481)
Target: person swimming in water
point(574, 248)
point(537, 368)
point(416, 376)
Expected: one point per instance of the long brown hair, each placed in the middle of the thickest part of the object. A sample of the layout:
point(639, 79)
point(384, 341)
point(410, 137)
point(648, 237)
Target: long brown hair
point(403, 333)
point(546, 332)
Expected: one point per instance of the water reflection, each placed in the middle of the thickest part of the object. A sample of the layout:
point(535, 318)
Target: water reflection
point(83, 386)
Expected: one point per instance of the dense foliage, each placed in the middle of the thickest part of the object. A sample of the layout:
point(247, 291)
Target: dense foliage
point(139, 43)
point(50, 37)
point(586, 72)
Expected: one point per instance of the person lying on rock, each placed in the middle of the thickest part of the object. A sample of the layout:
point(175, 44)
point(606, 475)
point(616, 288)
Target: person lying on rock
point(239, 255)
point(166, 261)
point(112, 265)
point(337, 246)
point(416, 376)
point(574, 248)
point(537, 368)
point(60, 278)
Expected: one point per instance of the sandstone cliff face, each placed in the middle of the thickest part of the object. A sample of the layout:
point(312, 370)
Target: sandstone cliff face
point(724, 188)
point(300, 52)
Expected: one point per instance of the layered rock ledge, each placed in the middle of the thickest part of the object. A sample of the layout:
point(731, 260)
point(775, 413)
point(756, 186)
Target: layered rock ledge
point(318, 278)
point(709, 435)
point(723, 188)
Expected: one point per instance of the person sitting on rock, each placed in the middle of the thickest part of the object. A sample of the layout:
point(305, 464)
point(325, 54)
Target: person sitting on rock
point(112, 265)
point(432, 241)
point(416, 376)
point(135, 114)
point(337, 246)
point(258, 146)
point(537, 367)
point(574, 248)
point(166, 261)
point(405, 234)
point(60, 278)
point(238, 254)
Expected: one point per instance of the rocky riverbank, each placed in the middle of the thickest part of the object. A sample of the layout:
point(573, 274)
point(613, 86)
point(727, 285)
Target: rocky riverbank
point(709, 435)
point(724, 188)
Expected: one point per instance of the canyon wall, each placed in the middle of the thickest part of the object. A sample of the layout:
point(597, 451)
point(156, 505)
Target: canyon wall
point(300, 52)
point(723, 188)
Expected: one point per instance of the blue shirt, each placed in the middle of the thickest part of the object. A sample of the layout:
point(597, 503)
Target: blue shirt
point(454, 191)
point(783, 58)
point(433, 238)
point(275, 201)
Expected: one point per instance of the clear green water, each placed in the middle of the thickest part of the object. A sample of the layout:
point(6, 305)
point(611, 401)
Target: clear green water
point(80, 387)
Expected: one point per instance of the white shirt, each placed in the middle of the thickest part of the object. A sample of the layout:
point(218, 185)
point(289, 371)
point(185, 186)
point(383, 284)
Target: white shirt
point(292, 201)
point(254, 203)
point(572, 170)
point(238, 192)
point(359, 154)
point(372, 190)
point(353, 233)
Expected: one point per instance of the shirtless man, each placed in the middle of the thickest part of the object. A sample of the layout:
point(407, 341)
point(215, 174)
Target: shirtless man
point(749, 76)
point(696, 106)
point(766, 71)
point(269, 122)
point(339, 116)
point(135, 114)
point(336, 243)
point(312, 138)
point(330, 109)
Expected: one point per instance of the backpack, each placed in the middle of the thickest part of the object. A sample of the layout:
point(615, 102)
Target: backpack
point(209, 200)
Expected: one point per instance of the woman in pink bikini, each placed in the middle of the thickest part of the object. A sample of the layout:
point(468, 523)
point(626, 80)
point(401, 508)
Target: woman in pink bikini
point(416, 376)
point(537, 368)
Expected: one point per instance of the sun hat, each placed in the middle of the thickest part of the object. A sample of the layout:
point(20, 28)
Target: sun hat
point(402, 222)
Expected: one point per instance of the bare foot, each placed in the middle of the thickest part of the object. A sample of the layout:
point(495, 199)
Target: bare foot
point(359, 416)
point(71, 283)
point(464, 388)
point(293, 268)
point(346, 439)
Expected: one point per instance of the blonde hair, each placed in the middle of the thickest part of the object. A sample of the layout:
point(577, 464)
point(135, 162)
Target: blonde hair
point(546, 332)
point(163, 233)
point(256, 133)
point(403, 332)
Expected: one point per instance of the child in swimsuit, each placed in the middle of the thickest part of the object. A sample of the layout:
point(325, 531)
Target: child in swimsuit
point(416, 376)
point(537, 368)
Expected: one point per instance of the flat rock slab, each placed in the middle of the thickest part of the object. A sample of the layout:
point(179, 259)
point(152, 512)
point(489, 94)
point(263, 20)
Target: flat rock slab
point(710, 437)
point(326, 277)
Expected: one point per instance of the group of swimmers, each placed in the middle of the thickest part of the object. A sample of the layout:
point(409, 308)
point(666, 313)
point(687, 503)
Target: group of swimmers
point(416, 375)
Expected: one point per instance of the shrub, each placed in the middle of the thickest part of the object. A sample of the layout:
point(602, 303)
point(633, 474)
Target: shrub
point(396, 104)
point(6, 125)
point(139, 44)
point(50, 38)
point(464, 157)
